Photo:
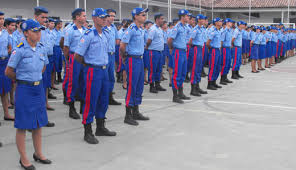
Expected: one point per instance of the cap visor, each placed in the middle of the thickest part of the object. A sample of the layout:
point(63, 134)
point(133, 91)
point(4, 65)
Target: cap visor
point(145, 10)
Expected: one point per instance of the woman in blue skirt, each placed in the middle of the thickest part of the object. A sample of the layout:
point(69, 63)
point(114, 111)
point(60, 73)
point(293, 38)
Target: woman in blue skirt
point(255, 42)
point(262, 48)
point(25, 66)
point(5, 82)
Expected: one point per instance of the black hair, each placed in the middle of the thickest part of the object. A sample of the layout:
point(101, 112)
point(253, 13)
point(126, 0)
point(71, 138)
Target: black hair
point(7, 22)
point(66, 24)
point(39, 12)
point(77, 14)
point(57, 23)
point(157, 16)
point(111, 10)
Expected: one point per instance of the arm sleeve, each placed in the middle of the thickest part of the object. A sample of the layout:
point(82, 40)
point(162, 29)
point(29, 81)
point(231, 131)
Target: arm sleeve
point(67, 37)
point(15, 57)
point(173, 33)
point(83, 45)
point(127, 36)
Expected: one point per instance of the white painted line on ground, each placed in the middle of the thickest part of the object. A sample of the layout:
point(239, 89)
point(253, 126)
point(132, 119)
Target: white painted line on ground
point(253, 104)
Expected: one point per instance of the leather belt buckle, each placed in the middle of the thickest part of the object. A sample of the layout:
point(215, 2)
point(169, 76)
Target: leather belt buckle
point(104, 67)
point(36, 83)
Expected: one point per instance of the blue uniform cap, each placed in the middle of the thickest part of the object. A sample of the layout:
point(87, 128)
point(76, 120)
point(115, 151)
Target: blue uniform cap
point(41, 8)
point(77, 10)
point(190, 14)
point(228, 20)
point(1, 13)
point(200, 16)
point(158, 14)
point(240, 23)
point(10, 20)
point(183, 12)
point(263, 28)
point(20, 20)
point(217, 20)
point(137, 11)
point(100, 12)
point(176, 20)
point(50, 20)
point(32, 25)
point(281, 24)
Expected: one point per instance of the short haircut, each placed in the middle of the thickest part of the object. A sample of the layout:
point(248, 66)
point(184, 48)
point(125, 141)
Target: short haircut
point(111, 10)
point(157, 16)
point(77, 14)
point(39, 12)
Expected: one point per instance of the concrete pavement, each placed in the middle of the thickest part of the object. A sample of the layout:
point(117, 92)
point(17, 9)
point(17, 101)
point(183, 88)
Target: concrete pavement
point(248, 125)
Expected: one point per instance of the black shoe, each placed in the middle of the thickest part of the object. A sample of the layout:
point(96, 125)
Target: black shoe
point(50, 124)
point(152, 88)
point(102, 130)
point(46, 161)
point(223, 80)
point(170, 85)
point(112, 101)
point(54, 88)
point(89, 136)
point(50, 109)
point(187, 79)
point(239, 76)
point(194, 91)
point(200, 90)
point(11, 107)
point(176, 98)
point(60, 78)
point(203, 73)
point(216, 85)
point(72, 111)
point(234, 75)
point(31, 167)
point(8, 119)
point(158, 86)
point(128, 119)
point(227, 80)
point(51, 96)
point(1, 144)
point(211, 86)
point(137, 115)
point(182, 95)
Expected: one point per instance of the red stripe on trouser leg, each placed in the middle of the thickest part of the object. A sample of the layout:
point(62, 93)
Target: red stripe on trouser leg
point(212, 65)
point(130, 78)
point(151, 66)
point(194, 65)
point(187, 52)
point(277, 49)
point(203, 53)
point(176, 68)
point(88, 94)
point(70, 82)
point(66, 76)
point(282, 48)
point(235, 58)
point(224, 60)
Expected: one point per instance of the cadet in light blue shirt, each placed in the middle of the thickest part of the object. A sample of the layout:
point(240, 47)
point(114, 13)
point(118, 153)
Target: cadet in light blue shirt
point(236, 51)
point(133, 38)
point(177, 42)
point(92, 51)
point(155, 44)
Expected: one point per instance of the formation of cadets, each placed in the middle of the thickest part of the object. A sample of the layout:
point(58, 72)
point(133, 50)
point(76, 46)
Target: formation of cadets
point(34, 52)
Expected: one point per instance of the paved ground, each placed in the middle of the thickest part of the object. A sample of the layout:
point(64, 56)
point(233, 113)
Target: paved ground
point(249, 125)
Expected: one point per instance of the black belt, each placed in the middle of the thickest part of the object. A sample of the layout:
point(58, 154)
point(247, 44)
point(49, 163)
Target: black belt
point(135, 56)
point(3, 58)
point(30, 83)
point(111, 53)
point(96, 66)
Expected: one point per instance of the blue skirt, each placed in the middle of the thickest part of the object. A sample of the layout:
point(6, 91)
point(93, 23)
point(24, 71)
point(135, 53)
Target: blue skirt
point(254, 52)
point(268, 49)
point(262, 52)
point(5, 82)
point(30, 107)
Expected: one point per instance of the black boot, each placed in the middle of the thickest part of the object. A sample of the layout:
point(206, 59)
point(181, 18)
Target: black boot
point(112, 101)
point(65, 98)
point(176, 98)
point(72, 111)
point(234, 75)
point(216, 85)
point(222, 80)
point(203, 73)
point(227, 80)
point(152, 88)
point(137, 115)
point(118, 77)
point(194, 91)
point(182, 95)
point(88, 135)
point(129, 117)
point(211, 86)
point(102, 130)
point(50, 95)
point(158, 86)
point(239, 76)
point(187, 79)
point(200, 90)
point(81, 106)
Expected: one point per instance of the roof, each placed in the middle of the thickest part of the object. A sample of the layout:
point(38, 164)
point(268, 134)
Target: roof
point(239, 3)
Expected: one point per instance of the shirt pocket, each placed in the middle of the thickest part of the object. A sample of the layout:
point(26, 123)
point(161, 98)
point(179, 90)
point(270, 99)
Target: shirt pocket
point(27, 59)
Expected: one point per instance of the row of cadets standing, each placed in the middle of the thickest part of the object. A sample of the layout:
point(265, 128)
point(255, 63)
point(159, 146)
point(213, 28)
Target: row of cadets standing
point(133, 39)
point(5, 51)
point(74, 80)
point(197, 42)
point(57, 51)
point(155, 46)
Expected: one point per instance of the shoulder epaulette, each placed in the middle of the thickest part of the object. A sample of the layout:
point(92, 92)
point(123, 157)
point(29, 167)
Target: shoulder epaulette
point(88, 31)
point(131, 26)
point(41, 43)
point(20, 45)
